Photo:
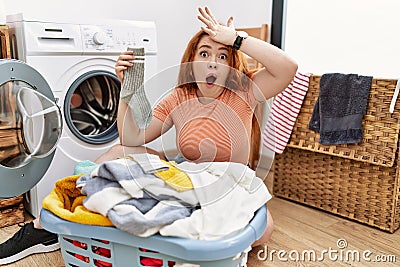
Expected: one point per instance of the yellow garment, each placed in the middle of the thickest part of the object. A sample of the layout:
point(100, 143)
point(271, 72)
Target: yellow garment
point(175, 178)
point(66, 201)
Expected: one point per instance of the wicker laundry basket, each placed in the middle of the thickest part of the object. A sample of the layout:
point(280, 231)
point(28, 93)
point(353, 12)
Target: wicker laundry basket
point(357, 181)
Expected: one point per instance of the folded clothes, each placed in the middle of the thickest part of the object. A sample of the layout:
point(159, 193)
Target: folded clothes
point(340, 107)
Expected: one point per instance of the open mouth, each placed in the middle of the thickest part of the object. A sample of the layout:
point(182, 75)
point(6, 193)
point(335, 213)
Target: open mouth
point(210, 79)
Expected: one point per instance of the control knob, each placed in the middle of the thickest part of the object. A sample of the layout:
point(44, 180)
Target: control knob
point(100, 38)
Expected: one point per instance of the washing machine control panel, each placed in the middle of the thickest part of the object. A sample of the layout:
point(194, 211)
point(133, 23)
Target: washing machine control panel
point(116, 38)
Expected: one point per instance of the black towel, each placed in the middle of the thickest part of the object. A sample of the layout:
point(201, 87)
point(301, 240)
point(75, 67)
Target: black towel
point(340, 107)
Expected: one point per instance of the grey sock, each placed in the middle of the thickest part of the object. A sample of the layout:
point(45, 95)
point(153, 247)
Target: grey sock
point(133, 93)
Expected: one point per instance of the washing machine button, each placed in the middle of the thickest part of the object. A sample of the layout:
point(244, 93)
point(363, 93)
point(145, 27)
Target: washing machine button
point(100, 38)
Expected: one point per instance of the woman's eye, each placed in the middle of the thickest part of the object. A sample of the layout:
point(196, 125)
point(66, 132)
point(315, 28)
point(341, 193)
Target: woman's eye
point(203, 54)
point(223, 56)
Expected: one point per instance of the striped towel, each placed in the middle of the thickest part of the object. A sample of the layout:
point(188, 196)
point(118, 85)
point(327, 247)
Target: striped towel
point(285, 109)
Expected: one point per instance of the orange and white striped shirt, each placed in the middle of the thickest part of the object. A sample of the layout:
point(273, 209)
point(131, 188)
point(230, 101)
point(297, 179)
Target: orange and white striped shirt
point(218, 131)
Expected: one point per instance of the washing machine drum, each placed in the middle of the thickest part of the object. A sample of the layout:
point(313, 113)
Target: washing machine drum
point(30, 127)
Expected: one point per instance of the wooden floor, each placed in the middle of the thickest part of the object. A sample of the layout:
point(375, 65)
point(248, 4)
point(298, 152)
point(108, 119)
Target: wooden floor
point(298, 230)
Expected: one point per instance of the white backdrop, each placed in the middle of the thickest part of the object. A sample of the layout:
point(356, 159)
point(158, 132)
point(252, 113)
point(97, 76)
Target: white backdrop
point(348, 36)
point(175, 19)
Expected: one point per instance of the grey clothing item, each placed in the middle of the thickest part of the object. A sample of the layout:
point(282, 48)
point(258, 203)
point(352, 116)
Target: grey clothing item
point(150, 163)
point(132, 91)
point(133, 200)
point(340, 108)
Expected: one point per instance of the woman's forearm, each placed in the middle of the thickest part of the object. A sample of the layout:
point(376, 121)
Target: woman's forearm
point(129, 133)
point(279, 69)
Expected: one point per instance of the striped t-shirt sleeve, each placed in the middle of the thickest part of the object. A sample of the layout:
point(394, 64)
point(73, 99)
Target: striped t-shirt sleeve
point(285, 109)
point(163, 109)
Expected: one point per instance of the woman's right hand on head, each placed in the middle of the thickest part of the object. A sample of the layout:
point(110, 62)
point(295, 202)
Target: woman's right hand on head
point(123, 62)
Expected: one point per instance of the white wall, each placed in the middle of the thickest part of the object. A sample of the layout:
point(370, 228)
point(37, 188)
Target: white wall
point(175, 19)
point(348, 36)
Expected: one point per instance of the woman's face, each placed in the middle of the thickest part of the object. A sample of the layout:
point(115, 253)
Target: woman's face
point(210, 66)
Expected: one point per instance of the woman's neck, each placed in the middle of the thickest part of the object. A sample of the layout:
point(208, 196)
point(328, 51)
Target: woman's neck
point(208, 96)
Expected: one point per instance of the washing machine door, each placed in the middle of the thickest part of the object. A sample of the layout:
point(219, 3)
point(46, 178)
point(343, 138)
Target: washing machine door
point(91, 106)
point(30, 127)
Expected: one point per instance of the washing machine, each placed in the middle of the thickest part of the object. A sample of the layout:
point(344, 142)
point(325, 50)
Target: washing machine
point(77, 60)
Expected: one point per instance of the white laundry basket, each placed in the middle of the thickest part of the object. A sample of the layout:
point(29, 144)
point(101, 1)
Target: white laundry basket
point(80, 245)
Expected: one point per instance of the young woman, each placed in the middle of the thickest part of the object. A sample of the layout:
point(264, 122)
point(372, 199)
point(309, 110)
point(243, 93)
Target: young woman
point(213, 103)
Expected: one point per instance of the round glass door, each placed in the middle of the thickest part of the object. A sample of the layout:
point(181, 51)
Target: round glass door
point(30, 127)
point(91, 106)
point(30, 124)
